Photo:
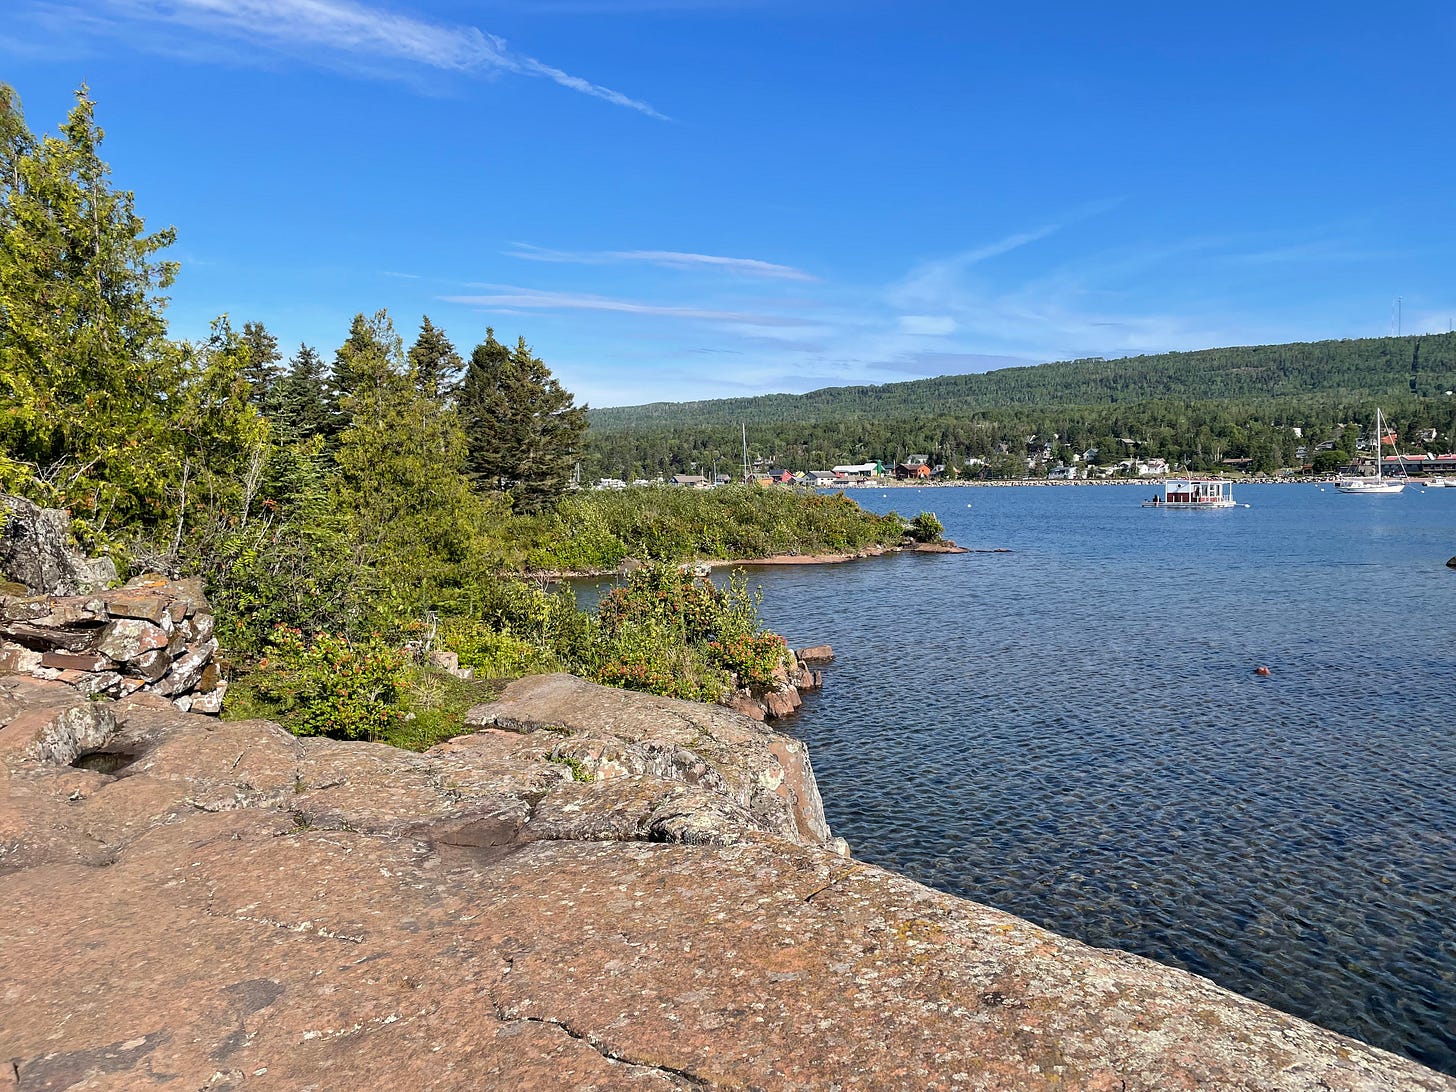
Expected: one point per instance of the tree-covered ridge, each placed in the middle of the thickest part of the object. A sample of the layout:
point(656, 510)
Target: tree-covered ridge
point(1383, 368)
point(1273, 405)
point(997, 443)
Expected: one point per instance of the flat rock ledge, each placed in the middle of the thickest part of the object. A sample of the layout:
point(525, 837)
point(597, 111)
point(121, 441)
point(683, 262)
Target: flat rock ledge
point(595, 891)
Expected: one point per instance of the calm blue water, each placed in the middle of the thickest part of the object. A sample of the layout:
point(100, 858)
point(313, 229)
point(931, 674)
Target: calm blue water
point(1073, 732)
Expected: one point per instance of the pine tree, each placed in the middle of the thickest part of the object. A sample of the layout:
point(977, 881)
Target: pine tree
point(261, 371)
point(434, 363)
point(371, 349)
point(85, 373)
point(523, 431)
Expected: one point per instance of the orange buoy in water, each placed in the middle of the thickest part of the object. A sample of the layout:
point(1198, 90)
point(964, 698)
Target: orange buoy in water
point(1261, 671)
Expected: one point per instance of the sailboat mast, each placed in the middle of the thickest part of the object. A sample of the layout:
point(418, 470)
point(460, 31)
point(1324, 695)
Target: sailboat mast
point(745, 449)
point(1378, 438)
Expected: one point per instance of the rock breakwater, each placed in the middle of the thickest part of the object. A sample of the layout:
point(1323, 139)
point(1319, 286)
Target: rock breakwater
point(596, 890)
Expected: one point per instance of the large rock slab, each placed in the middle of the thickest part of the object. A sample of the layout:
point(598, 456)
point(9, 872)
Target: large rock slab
point(764, 772)
point(37, 550)
point(221, 905)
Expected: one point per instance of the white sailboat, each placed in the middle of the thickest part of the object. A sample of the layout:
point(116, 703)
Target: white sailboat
point(1377, 484)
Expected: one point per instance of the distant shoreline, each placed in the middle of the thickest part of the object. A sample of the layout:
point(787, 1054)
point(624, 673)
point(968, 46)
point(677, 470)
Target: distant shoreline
point(1003, 483)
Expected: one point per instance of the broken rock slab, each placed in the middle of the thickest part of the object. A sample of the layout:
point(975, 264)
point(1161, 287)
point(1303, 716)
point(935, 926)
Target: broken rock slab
point(153, 634)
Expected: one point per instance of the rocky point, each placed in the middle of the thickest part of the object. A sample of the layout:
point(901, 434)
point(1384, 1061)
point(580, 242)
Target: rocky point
point(595, 890)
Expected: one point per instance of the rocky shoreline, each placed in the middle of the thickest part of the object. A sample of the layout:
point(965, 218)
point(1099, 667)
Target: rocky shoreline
point(944, 546)
point(597, 889)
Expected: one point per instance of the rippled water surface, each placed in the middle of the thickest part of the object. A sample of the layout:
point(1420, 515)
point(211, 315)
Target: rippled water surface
point(1072, 731)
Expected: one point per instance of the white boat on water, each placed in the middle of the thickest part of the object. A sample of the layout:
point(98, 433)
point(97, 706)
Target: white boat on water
point(1376, 484)
point(1194, 493)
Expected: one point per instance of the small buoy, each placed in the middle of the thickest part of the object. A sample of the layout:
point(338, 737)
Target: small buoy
point(1261, 670)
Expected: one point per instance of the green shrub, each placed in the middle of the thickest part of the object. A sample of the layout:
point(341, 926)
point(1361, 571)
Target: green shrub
point(496, 655)
point(647, 657)
point(323, 685)
point(668, 632)
point(753, 657)
point(664, 596)
point(926, 528)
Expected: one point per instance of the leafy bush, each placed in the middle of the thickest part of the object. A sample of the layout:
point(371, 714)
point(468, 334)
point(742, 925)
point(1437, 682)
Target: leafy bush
point(926, 528)
point(496, 655)
point(664, 596)
point(324, 685)
point(668, 632)
point(647, 657)
point(753, 657)
point(547, 620)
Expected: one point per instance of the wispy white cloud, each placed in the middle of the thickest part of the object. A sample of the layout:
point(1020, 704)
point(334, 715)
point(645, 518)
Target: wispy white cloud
point(577, 301)
point(318, 29)
point(928, 325)
point(667, 259)
point(933, 279)
point(1313, 252)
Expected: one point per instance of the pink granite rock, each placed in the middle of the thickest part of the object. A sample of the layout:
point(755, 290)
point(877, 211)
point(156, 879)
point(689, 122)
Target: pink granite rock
point(220, 905)
point(125, 639)
point(816, 654)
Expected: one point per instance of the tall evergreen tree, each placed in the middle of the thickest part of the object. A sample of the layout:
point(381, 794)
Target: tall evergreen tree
point(413, 515)
point(261, 371)
point(434, 363)
point(300, 407)
point(522, 428)
point(371, 349)
point(16, 142)
point(85, 373)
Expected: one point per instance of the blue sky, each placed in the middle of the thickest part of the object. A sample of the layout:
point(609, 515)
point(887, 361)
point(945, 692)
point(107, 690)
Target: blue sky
point(680, 199)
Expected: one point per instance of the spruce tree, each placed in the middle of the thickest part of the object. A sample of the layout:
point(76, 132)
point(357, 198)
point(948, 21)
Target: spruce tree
point(300, 408)
point(261, 371)
point(413, 515)
point(434, 363)
point(360, 354)
point(522, 429)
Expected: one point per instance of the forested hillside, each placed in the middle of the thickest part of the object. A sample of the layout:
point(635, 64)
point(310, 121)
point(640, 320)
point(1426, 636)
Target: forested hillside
point(1197, 408)
point(1372, 367)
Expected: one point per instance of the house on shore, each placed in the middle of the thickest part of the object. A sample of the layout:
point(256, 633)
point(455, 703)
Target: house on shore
point(689, 481)
point(858, 472)
point(915, 467)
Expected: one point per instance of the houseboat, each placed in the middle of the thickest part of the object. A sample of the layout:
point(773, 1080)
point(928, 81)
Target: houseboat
point(1194, 493)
